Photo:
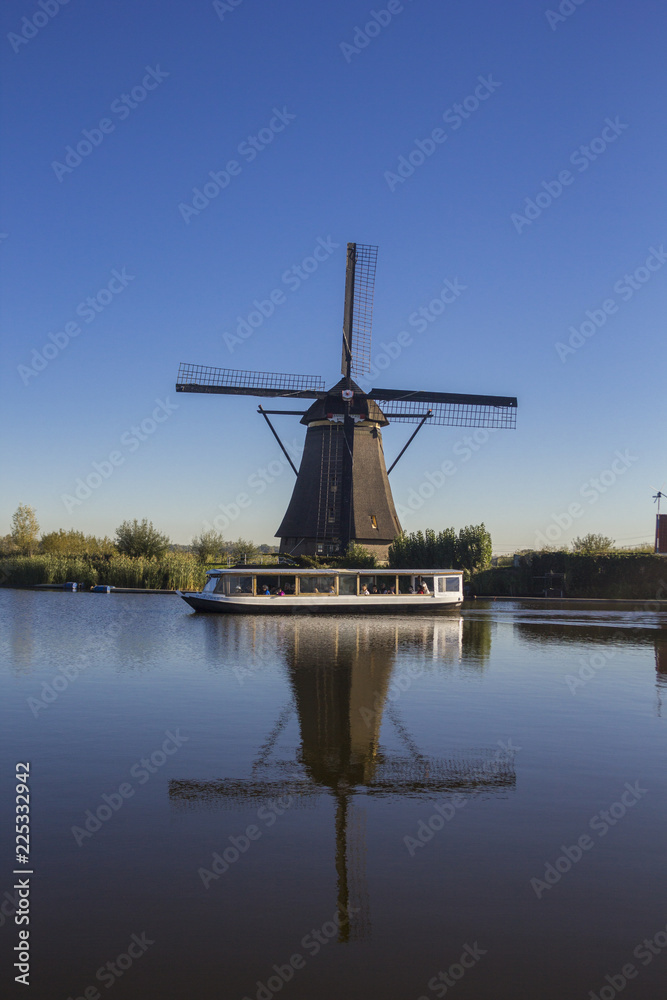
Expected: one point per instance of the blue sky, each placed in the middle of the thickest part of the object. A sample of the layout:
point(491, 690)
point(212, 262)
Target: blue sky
point(544, 191)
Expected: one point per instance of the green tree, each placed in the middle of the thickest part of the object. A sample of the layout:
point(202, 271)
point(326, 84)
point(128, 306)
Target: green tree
point(8, 546)
point(25, 529)
point(75, 543)
point(474, 548)
point(208, 545)
point(243, 551)
point(66, 543)
point(357, 557)
point(591, 543)
point(140, 539)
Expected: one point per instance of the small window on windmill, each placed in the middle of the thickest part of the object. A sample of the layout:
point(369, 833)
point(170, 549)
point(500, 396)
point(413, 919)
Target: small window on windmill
point(332, 514)
point(374, 522)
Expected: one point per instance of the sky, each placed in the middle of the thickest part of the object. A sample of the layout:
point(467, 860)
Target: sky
point(168, 166)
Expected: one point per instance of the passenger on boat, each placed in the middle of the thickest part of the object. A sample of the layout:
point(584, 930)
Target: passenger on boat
point(365, 591)
point(266, 591)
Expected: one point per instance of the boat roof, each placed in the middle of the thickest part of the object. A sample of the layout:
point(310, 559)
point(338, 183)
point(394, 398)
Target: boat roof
point(291, 571)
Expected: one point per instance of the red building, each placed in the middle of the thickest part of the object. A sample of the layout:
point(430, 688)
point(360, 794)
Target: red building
point(661, 534)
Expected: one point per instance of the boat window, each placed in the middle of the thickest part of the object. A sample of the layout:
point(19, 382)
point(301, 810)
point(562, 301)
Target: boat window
point(347, 584)
point(453, 583)
point(317, 584)
point(210, 584)
point(406, 585)
point(426, 582)
point(232, 584)
point(278, 585)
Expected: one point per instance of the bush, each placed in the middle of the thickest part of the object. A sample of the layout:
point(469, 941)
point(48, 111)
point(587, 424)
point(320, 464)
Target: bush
point(428, 550)
point(357, 557)
point(208, 545)
point(140, 539)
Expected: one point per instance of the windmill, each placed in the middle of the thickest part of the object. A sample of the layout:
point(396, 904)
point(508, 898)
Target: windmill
point(341, 679)
point(342, 491)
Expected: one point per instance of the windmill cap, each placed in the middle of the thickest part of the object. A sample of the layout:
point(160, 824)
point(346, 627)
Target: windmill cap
point(333, 403)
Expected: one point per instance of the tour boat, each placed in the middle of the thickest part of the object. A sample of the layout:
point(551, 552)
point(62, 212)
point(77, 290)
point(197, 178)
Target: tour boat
point(282, 590)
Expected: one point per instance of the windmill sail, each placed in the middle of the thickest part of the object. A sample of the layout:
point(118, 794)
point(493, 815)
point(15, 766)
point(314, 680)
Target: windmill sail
point(200, 378)
point(448, 408)
point(358, 311)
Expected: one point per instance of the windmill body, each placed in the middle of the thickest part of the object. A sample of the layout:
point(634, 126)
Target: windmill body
point(342, 493)
point(330, 499)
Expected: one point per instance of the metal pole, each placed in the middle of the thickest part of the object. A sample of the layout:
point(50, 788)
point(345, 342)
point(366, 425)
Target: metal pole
point(410, 440)
point(273, 431)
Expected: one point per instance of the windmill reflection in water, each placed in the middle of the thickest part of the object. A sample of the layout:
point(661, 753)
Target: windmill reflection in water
point(343, 688)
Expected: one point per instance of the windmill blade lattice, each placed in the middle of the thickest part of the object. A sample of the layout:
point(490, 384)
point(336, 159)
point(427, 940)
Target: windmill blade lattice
point(358, 314)
point(201, 378)
point(448, 408)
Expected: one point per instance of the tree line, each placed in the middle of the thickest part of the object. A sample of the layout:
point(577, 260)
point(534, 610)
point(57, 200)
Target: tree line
point(140, 539)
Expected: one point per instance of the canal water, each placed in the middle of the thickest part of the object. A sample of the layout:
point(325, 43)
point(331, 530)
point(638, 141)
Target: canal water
point(414, 807)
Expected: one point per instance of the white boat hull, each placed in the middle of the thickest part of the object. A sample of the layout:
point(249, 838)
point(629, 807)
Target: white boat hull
point(309, 604)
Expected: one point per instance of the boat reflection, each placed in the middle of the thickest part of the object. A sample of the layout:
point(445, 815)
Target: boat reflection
point(345, 685)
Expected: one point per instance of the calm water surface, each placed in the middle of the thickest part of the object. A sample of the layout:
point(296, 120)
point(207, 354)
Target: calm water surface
point(326, 808)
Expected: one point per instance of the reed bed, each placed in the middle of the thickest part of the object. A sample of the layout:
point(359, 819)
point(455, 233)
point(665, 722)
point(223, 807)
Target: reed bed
point(174, 571)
